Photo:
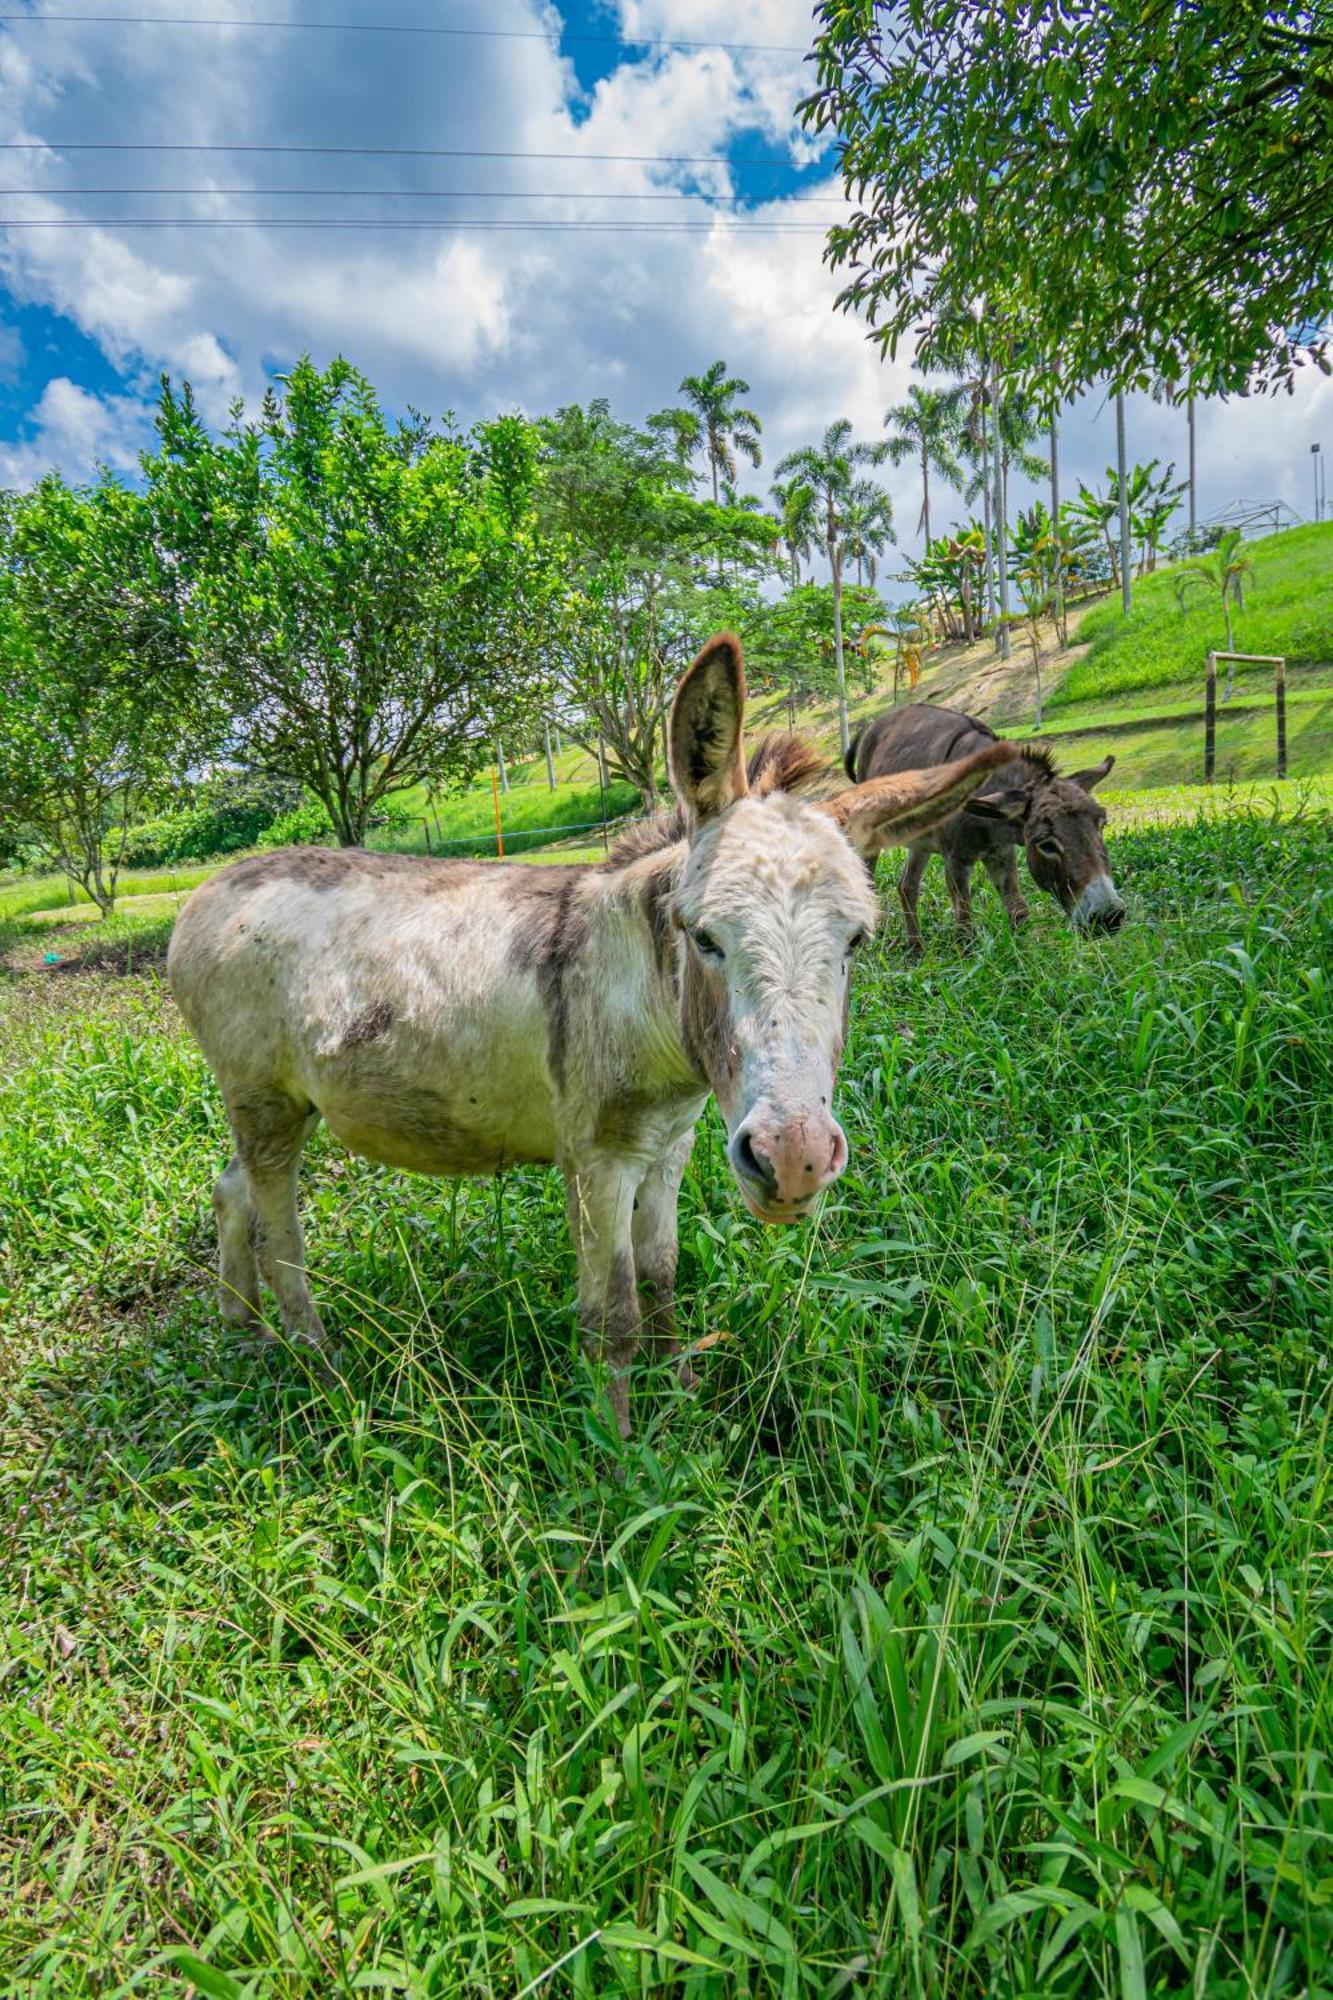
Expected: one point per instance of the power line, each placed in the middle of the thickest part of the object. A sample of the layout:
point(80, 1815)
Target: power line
point(482, 223)
point(382, 152)
point(552, 36)
point(419, 194)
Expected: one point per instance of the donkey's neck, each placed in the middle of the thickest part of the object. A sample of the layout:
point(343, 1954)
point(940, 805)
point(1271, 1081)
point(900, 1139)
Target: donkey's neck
point(636, 898)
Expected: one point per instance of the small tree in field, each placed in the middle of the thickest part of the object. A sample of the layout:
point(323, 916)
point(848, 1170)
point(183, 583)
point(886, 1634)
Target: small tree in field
point(1221, 574)
point(100, 711)
point(374, 597)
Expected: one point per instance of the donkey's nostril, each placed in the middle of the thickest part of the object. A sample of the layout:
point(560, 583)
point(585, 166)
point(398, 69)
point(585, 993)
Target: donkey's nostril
point(752, 1163)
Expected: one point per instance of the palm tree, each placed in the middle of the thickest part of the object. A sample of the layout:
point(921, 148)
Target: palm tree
point(867, 524)
point(798, 516)
point(926, 428)
point(829, 470)
point(1223, 572)
point(724, 426)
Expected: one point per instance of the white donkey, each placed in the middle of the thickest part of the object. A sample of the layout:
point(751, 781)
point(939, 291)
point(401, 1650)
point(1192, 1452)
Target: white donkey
point(458, 1017)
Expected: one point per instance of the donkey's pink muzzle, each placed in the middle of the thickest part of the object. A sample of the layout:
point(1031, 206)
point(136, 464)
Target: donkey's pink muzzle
point(782, 1163)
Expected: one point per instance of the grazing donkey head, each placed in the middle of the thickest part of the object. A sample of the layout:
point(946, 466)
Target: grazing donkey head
point(1061, 827)
point(773, 898)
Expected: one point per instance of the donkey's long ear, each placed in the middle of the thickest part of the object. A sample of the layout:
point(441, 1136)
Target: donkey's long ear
point(707, 724)
point(1093, 777)
point(890, 812)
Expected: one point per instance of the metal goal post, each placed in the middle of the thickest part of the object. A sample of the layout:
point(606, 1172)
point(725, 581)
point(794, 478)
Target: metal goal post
point(1279, 666)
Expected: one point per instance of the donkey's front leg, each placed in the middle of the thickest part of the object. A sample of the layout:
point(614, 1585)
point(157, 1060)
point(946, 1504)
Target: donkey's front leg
point(655, 1250)
point(601, 1192)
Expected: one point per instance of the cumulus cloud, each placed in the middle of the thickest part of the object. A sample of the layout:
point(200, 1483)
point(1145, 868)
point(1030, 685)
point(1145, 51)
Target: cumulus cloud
point(473, 319)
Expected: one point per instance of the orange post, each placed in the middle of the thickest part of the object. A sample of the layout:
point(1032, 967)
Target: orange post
point(499, 831)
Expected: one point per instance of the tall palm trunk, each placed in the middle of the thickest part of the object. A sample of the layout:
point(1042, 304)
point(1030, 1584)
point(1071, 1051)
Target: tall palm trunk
point(1122, 480)
point(925, 492)
point(1059, 571)
point(986, 506)
point(1001, 530)
point(1189, 412)
point(835, 570)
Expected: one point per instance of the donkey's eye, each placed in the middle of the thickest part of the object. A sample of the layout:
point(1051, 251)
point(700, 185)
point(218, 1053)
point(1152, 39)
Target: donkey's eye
point(707, 945)
point(856, 940)
point(1051, 849)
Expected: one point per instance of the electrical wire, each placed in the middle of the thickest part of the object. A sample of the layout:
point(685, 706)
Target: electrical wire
point(553, 36)
point(382, 152)
point(485, 224)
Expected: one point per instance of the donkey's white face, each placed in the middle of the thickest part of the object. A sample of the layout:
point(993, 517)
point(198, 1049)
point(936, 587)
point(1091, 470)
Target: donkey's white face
point(773, 898)
point(773, 901)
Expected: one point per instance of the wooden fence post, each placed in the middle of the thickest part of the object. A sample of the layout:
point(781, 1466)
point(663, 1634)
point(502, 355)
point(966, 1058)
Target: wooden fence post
point(1280, 696)
point(1210, 720)
point(550, 766)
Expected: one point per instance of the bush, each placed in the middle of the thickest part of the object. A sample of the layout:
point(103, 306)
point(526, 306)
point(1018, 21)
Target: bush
point(225, 815)
point(306, 825)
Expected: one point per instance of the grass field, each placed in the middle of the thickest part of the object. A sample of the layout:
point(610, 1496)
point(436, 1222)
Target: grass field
point(967, 1634)
point(1288, 610)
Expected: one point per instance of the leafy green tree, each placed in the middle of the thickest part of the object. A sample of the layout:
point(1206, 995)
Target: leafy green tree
point(925, 428)
point(1221, 574)
point(790, 642)
point(643, 556)
point(867, 527)
point(100, 709)
point(724, 425)
point(798, 521)
point(1148, 187)
point(829, 470)
point(374, 597)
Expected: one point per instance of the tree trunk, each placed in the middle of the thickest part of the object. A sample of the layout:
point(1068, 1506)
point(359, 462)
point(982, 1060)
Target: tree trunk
point(1058, 597)
point(500, 765)
point(1231, 647)
point(835, 566)
point(550, 762)
point(1189, 412)
point(925, 495)
point(1123, 481)
point(986, 508)
point(1001, 531)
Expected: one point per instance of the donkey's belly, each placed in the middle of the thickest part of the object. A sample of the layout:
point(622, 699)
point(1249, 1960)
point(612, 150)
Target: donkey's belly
point(429, 1132)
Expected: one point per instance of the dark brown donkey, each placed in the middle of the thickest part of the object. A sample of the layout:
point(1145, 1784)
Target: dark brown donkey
point(1056, 819)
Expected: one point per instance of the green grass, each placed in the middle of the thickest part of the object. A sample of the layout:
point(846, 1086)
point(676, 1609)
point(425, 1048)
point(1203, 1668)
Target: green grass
point(1288, 610)
point(531, 814)
point(29, 895)
point(967, 1634)
point(1165, 754)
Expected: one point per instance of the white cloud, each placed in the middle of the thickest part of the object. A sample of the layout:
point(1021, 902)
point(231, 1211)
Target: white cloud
point(74, 433)
point(476, 320)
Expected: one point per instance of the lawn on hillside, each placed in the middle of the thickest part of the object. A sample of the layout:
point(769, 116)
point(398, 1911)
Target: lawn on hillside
point(1288, 610)
point(967, 1634)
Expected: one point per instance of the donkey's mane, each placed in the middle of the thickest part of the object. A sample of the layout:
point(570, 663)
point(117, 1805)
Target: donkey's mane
point(780, 763)
point(1040, 758)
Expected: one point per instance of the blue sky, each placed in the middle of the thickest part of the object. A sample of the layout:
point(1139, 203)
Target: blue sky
point(465, 318)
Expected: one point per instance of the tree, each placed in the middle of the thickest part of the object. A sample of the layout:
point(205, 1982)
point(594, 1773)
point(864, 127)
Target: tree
point(789, 641)
point(725, 427)
point(867, 521)
point(798, 522)
point(642, 555)
point(1222, 574)
point(1147, 186)
point(828, 469)
point(373, 596)
point(100, 711)
point(1153, 499)
point(925, 428)
point(1093, 513)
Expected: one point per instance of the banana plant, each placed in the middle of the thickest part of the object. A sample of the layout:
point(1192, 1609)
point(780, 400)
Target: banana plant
point(1221, 574)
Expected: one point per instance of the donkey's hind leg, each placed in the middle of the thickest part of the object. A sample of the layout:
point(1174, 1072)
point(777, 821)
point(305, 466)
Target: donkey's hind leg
point(238, 1270)
point(270, 1131)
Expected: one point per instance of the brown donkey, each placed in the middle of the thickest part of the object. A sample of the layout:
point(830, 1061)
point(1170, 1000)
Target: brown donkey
point(457, 1017)
point(1055, 820)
